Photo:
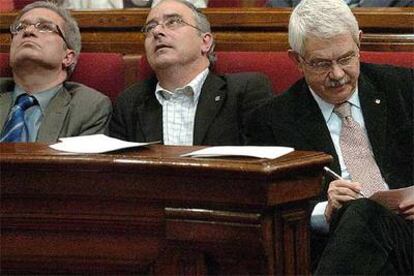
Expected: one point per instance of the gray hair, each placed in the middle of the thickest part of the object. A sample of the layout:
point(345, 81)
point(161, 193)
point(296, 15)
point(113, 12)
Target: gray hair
point(203, 24)
point(322, 19)
point(70, 28)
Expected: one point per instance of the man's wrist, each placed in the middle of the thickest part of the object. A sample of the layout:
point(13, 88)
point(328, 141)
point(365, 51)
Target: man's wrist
point(328, 213)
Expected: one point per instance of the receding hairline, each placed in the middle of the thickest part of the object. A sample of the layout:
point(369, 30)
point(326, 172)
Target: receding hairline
point(183, 3)
point(18, 18)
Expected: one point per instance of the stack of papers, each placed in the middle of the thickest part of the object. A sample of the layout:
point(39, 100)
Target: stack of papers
point(250, 151)
point(97, 143)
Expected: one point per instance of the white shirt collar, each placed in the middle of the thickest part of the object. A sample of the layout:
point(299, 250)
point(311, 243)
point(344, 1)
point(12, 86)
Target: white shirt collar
point(43, 97)
point(192, 89)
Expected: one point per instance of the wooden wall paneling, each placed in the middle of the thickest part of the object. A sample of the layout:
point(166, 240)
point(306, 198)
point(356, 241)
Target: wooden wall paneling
point(388, 42)
point(244, 29)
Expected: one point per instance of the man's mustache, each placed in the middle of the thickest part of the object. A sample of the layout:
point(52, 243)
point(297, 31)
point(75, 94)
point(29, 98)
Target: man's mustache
point(337, 83)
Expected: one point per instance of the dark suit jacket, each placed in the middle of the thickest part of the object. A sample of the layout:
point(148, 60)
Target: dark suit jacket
point(294, 119)
point(224, 104)
point(75, 110)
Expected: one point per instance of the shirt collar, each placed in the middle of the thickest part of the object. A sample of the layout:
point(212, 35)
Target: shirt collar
point(192, 89)
point(327, 108)
point(43, 97)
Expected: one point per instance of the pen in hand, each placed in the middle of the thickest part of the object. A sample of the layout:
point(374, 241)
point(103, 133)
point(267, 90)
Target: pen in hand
point(336, 176)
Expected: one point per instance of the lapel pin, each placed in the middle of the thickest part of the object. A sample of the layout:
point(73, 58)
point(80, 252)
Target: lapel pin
point(377, 101)
point(217, 98)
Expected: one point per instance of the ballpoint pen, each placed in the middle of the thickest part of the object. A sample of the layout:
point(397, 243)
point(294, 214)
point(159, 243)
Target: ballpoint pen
point(336, 176)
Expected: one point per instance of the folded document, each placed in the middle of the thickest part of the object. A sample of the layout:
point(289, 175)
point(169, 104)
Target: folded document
point(97, 143)
point(251, 151)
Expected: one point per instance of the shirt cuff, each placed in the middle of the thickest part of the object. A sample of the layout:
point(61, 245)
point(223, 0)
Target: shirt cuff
point(318, 219)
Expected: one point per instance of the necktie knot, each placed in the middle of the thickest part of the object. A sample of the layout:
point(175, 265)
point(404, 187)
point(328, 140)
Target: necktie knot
point(25, 101)
point(343, 110)
point(15, 129)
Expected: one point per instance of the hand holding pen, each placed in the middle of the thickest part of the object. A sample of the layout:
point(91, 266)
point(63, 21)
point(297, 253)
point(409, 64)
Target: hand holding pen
point(336, 176)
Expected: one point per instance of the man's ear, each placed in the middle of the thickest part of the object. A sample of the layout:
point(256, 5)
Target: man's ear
point(295, 58)
point(359, 39)
point(69, 59)
point(207, 43)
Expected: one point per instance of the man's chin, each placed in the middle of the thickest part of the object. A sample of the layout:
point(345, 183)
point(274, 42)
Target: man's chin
point(341, 89)
point(27, 53)
point(341, 97)
point(161, 63)
point(28, 61)
point(23, 57)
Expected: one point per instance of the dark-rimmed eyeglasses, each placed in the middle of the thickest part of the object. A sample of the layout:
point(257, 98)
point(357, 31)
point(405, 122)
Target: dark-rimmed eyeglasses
point(170, 23)
point(323, 65)
point(41, 27)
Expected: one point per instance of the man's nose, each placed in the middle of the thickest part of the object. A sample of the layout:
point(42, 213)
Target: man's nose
point(158, 30)
point(336, 72)
point(29, 29)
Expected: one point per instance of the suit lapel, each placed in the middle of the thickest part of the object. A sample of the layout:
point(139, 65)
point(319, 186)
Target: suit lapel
point(6, 98)
point(149, 114)
point(374, 109)
point(5, 106)
point(212, 98)
point(54, 117)
point(312, 126)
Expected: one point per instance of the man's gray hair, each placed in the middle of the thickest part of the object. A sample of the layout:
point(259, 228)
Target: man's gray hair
point(202, 23)
point(70, 28)
point(322, 19)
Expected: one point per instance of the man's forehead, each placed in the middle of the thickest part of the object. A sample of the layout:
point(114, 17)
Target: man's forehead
point(167, 9)
point(164, 16)
point(329, 47)
point(42, 14)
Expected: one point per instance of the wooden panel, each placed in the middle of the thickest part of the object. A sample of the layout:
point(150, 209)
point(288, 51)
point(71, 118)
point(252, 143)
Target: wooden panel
point(150, 211)
point(244, 29)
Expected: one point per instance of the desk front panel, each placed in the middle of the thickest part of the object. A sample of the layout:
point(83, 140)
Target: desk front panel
point(148, 210)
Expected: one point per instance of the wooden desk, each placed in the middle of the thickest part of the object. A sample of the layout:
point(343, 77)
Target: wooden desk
point(150, 211)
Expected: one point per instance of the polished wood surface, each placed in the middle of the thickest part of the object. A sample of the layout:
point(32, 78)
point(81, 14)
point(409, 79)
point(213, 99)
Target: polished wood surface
point(148, 210)
point(244, 29)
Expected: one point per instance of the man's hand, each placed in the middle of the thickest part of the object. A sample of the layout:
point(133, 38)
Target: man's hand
point(339, 192)
point(406, 208)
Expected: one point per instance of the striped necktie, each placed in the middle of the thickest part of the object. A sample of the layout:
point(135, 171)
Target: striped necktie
point(357, 154)
point(15, 129)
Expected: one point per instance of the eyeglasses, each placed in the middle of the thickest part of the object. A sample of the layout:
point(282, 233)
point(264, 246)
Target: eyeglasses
point(323, 65)
point(41, 27)
point(171, 23)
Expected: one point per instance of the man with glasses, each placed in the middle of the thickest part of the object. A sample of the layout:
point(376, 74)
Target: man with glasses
point(362, 115)
point(186, 103)
point(38, 104)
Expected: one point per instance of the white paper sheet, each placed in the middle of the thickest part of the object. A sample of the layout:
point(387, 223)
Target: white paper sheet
point(97, 143)
point(251, 151)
